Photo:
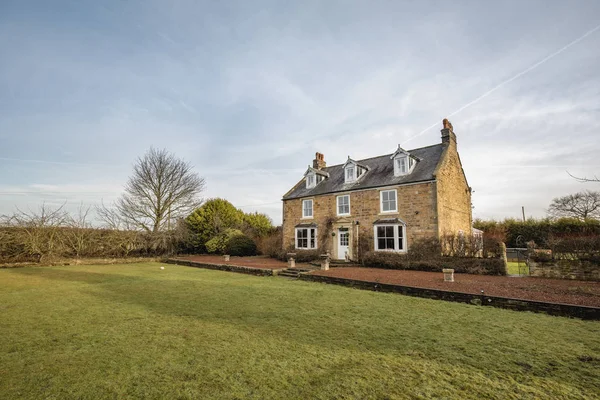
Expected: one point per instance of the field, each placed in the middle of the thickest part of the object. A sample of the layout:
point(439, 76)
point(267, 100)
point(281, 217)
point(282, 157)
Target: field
point(135, 331)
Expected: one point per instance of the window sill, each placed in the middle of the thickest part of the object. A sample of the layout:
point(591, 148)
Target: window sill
point(388, 212)
point(391, 251)
point(307, 218)
point(344, 215)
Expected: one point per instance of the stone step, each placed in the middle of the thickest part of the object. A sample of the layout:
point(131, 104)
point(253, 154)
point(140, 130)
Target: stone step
point(293, 272)
point(288, 275)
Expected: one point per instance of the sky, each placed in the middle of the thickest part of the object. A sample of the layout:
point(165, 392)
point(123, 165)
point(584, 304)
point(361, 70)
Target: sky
point(248, 91)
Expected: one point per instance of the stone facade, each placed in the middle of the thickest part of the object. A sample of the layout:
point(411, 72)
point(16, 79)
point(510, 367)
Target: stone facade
point(429, 209)
point(416, 207)
point(453, 192)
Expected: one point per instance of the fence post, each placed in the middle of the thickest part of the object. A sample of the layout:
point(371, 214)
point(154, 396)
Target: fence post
point(503, 255)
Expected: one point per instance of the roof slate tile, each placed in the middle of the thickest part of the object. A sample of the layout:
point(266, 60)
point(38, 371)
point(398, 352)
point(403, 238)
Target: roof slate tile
point(381, 173)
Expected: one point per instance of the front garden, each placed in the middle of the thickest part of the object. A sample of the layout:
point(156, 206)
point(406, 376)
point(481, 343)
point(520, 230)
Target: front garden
point(136, 331)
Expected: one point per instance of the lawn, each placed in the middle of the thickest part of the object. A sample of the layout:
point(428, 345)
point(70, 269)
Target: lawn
point(518, 268)
point(135, 331)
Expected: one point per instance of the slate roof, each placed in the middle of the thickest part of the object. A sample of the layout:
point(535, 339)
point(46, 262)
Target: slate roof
point(380, 173)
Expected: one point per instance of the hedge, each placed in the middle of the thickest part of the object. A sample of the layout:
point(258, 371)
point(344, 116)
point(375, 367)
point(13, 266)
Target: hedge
point(464, 265)
point(302, 256)
point(538, 230)
point(241, 246)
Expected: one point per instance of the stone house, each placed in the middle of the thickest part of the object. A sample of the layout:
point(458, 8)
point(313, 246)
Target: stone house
point(383, 203)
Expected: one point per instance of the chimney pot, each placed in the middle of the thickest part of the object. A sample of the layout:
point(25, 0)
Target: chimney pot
point(448, 135)
point(319, 161)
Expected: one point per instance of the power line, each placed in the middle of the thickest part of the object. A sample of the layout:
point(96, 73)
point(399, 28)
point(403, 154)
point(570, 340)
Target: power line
point(260, 204)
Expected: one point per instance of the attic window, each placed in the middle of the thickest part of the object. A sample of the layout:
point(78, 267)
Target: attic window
point(403, 165)
point(350, 173)
point(310, 181)
point(403, 162)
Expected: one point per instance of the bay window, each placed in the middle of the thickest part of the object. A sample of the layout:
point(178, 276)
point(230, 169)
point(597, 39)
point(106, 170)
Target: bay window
point(306, 238)
point(390, 237)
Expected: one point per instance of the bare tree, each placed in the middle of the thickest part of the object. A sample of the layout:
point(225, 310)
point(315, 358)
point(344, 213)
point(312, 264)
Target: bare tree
point(40, 229)
point(580, 205)
point(78, 231)
point(111, 217)
point(584, 179)
point(162, 189)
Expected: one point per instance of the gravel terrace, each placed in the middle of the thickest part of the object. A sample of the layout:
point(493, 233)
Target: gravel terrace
point(583, 293)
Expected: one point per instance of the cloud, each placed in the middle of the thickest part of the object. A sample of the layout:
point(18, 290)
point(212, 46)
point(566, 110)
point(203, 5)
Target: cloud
point(249, 92)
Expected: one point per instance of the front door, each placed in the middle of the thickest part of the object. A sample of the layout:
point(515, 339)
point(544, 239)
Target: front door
point(343, 243)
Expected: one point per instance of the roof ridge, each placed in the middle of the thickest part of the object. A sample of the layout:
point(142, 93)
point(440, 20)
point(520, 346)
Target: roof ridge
point(383, 155)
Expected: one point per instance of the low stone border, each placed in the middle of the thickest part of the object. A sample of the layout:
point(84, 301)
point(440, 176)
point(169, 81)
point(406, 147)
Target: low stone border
point(564, 310)
point(225, 267)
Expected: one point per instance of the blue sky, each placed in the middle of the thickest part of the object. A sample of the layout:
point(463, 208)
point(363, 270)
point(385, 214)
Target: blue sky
point(249, 91)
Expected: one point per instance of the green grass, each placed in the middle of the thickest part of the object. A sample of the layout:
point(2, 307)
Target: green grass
point(134, 331)
point(518, 268)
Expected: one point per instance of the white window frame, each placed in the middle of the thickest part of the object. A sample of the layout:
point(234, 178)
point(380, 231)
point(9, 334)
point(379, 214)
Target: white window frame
point(409, 164)
point(402, 165)
point(381, 200)
point(397, 228)
point(312, 209)
point(353, 175)
point(309, 231)
point(311, 181)
point(337, 202)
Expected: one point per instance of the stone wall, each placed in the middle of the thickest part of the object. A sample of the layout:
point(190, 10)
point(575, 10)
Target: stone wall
point(565, 269)
point(453, 192)
point(565, 310)
point(416, 207)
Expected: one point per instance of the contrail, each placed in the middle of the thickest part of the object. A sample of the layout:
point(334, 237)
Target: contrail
point(526, 70)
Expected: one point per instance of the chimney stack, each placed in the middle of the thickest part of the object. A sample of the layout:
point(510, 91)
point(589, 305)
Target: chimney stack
point(319, 161)
point(448, 136)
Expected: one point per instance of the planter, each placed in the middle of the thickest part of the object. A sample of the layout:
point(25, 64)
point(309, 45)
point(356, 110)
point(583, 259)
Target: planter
point(291, 261)
point(448, 274)
point(325, 262)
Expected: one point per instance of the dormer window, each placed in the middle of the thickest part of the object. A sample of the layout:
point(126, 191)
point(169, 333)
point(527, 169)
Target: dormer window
point(350, 173)
point(314, 176)
point(353, 170)
point(403, 162)
point(401, 166)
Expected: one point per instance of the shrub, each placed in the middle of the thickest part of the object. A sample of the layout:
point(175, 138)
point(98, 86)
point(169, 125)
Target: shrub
point(465, 265)
point(569, 247)
point(271, 245)
point(302, 256)
point(257, 225)
point(241, 245)
point(425, 248)
point(219, 243)
point(516, 233)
